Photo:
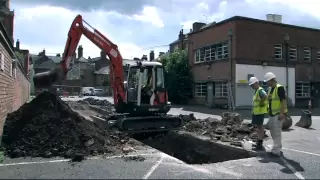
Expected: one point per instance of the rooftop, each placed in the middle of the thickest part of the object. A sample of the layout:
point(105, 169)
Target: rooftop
point(236, 18)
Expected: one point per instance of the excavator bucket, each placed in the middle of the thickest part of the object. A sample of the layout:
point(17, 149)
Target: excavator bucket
point(46, 79)
point(135, 124)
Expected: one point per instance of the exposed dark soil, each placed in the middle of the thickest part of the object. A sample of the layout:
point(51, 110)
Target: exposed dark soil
point(193, 150)
point(48, 127)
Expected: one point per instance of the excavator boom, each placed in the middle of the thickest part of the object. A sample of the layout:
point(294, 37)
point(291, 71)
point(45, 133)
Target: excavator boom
point(78, 28)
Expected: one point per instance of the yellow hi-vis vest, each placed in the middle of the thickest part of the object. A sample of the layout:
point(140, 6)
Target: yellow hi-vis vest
point(275, 101)
point(257, 107)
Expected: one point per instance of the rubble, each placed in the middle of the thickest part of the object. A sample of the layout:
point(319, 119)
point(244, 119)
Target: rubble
point(98, 102)
point(47, 127)
point(230, 128)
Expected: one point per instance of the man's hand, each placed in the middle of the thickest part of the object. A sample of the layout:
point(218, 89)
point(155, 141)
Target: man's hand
point(282, 116)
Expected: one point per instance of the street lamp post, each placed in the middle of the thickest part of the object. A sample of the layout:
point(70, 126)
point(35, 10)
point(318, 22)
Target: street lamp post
point(286, 44)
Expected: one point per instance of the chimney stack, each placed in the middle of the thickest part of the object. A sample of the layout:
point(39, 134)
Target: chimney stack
point(18, 45)
point(151, 55)
point(80, 51)
point(26, 62)
point(44, 52)
point(197, 26)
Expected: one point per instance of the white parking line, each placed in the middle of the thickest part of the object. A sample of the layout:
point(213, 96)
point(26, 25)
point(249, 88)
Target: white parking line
point(292, 169)
point(66, 160)
point(305, 152)
point(153, 168)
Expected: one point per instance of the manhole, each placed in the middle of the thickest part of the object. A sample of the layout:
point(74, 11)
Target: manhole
point(193, 150)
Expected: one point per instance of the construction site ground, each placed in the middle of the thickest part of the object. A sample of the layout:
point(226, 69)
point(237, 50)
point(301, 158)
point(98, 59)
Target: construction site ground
point(301, 148)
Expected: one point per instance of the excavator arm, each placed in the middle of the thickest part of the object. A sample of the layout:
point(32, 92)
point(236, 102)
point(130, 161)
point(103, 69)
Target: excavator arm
point(78, 28)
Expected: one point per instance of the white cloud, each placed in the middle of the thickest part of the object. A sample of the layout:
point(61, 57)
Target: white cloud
point(150, 14)
point(53, 23)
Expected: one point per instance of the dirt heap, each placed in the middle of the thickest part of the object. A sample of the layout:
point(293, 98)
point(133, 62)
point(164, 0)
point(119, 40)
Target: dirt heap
point(230, 128)
point(98, 102)
point(48, 127)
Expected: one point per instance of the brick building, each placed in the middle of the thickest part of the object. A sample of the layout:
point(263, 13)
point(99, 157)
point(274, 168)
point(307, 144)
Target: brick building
point(237, 48)
point(14, 81)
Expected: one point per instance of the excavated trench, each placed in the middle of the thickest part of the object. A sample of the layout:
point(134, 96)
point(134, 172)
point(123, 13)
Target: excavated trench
point(193, 150)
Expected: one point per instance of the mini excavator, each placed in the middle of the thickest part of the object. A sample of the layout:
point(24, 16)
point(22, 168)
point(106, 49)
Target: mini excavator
point(140, 99)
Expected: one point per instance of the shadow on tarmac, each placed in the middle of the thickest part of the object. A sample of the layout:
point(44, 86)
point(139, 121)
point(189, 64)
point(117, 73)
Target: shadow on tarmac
point(268, 158)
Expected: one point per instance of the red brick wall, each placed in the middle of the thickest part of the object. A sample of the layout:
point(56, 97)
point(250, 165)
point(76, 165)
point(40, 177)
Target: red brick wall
point(14, 90)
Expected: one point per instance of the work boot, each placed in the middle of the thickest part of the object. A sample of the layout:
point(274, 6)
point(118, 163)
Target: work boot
point(259, 145)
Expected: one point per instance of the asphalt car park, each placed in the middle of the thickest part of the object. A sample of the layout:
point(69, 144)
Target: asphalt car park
point(301, 160)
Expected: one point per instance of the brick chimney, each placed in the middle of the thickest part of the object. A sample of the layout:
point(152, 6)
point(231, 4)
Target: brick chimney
point(7, 18)
point(103, 55)
point(196, 26)
point(80, 51)
point(26, 62)
point(151, 55)
point(44, 52)
point(18, 45)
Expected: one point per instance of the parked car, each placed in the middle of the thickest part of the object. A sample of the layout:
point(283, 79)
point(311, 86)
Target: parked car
point(99, 92)
point(87, 91)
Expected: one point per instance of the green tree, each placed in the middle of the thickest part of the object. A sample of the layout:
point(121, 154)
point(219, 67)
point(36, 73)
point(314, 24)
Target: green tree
point(178, 76)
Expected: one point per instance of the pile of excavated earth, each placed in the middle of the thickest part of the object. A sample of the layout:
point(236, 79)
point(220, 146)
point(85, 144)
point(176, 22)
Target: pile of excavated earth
point(48, 127)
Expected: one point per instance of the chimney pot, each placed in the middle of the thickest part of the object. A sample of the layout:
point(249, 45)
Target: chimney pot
point(80, 51)
point(18, 45)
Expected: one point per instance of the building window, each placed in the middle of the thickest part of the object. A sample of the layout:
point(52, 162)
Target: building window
point(318, 55)
point(293, 53)
point(212, 53)
point(302, 90)
point(278, 51)
point(306, 53)
point(200, 89)
point(221, 89)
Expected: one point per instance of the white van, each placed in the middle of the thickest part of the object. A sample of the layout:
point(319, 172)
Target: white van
point(87, 91)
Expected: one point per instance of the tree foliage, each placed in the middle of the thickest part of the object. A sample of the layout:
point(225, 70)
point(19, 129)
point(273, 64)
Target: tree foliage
point(179, 79)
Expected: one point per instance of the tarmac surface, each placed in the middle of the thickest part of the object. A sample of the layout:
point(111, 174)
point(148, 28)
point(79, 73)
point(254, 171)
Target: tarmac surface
point(301, 149)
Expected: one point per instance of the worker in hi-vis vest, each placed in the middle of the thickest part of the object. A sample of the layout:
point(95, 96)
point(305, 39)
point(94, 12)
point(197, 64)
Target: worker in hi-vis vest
point(277, 111)
point(259, 109)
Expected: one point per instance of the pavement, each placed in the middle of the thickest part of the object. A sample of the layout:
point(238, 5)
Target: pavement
point(301, 148)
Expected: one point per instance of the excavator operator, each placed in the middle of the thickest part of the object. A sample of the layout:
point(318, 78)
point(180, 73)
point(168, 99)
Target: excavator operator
point(147, 87)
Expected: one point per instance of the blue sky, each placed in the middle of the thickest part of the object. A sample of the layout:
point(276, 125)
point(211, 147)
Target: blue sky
point(137, 25)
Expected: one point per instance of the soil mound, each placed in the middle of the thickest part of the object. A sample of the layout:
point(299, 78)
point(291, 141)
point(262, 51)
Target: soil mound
point(48, 127)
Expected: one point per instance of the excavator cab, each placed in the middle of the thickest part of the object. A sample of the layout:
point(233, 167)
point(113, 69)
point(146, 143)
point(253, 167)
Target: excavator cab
point(145, 88)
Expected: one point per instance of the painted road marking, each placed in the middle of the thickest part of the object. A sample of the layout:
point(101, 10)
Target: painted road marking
point(295, 150)
point(292, 169)
point(66, 160)
point(154, 167)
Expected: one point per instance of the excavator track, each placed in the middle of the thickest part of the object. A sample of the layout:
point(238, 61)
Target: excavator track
point(155, 123)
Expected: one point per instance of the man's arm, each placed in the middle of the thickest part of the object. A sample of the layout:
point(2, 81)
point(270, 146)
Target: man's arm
point(283, 99)
point(263, 96)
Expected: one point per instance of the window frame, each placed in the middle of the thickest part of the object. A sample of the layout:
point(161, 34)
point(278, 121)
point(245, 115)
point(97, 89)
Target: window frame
point(307, 54)
point(221, 89)
point(213, 52)
point(278, 47)
point(304, 88)
point(318, 55)
point(200, 89)
point(293, 53)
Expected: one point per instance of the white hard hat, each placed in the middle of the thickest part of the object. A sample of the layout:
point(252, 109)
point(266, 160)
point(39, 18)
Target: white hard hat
point(269, 76)
point(253, 80)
